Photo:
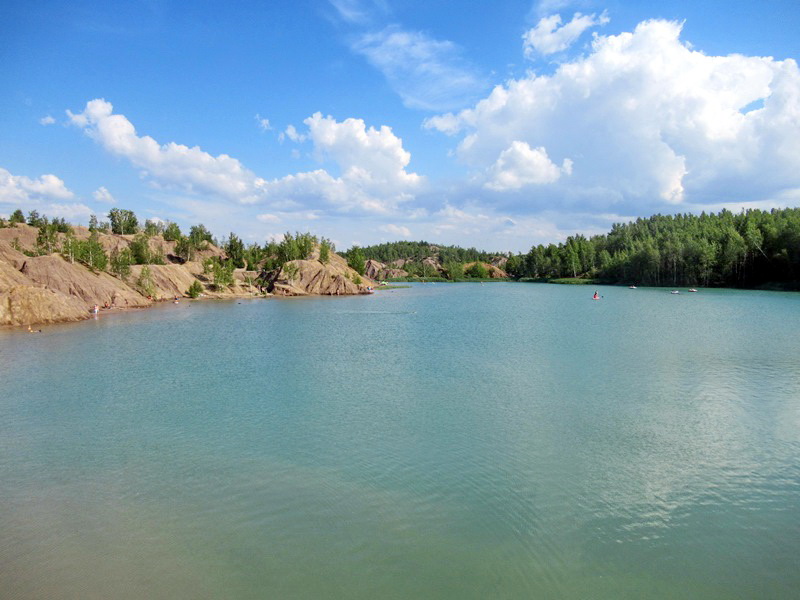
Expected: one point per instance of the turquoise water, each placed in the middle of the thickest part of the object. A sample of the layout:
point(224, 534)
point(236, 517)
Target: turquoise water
point(443, 441)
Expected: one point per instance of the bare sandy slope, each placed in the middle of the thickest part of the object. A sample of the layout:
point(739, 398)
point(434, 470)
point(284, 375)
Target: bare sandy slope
point(51, 289)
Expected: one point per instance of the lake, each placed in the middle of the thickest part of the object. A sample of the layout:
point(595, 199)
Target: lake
point(505, 440)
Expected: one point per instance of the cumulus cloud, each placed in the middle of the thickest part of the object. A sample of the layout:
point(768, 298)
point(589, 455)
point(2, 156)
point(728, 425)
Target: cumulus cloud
point(48, 120)
point(19, 189)
point(372, 164)
point(549, 36)
point(263, 123)
point(101, 194)
point(41, 194)
point(520, 165)
point(292, 133)
point(428, 74)
point(398, 230)
point(171, 163)
point(646, 122)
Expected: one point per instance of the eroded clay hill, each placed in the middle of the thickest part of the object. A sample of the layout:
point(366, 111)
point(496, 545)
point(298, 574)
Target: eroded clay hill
point(51, 289)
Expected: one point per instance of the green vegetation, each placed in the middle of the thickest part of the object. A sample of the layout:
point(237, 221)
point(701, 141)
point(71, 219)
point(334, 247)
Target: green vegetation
point(417, 251)
point(478, 271)
point(356, 260)
point(234, 248)
point(142, 253)
point(325, 249)
point(755, 249)
point(152, 228)
point(172, 233)
point(103, 227)
point(145, 284)
point(750, 249)
point(220, 272)
point(16, 217)
point(292, 247)
point(195, 289)
point(289, 271)
point(121, 261)
point(123, 221)
point(199, 236)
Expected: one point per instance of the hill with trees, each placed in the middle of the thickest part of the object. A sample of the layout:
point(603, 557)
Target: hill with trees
point(422, 260)
point(51, 271)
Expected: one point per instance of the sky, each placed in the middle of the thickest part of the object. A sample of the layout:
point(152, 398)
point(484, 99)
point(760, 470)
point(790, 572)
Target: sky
point(496, 124)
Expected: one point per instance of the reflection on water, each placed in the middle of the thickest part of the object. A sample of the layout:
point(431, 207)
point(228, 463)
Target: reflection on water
point(444, 441)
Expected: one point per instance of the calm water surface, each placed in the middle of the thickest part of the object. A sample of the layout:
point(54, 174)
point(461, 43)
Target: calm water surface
point(443, 441)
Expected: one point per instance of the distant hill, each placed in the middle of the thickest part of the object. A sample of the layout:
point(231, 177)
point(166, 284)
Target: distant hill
point(408, 260)
point(418, 251)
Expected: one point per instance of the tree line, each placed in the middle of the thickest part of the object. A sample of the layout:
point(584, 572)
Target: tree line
point(753, 248)
point(750, 249)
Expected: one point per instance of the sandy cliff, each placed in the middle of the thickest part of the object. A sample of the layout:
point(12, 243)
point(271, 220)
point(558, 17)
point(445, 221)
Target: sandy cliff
point(50, 289)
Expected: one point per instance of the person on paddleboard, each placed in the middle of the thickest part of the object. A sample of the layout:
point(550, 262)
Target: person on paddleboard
point(596, 296)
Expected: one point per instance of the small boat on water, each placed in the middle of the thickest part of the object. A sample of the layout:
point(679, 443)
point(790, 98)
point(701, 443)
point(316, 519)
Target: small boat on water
point(692, 290)
point(631, 287)
point(674, 292)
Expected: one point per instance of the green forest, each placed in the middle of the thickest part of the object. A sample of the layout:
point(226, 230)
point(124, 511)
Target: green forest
point(750, 249)
point(417, 251)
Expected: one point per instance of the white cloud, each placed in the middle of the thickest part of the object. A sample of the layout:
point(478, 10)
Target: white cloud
point(648, 123)
point(263, 123)
point(19, 189)
point(48, 120)
point(172, 164)
point(549, 36)
point(268, 218)
point(358, 11)
point(428, 74)
point(372, 163)
point(520, 165)
point(292, 133)
point(398, 230)
point(70, 212)
point(101, 194)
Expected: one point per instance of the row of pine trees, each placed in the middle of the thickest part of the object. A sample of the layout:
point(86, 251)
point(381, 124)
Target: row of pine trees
point(750, 249)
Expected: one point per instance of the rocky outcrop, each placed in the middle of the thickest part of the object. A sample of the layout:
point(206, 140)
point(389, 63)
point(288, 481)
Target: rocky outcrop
point(11, 277)
point(394, 273)
point(11, 257)
point(373, 268)
point(494, 272)
point(19, 234)
point(30, 305)
point(311, 277)
point(168, 281)
point(378, 271)
point(56, 274)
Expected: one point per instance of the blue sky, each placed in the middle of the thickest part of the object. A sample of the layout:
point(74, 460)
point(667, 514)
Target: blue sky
point(493, 124)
